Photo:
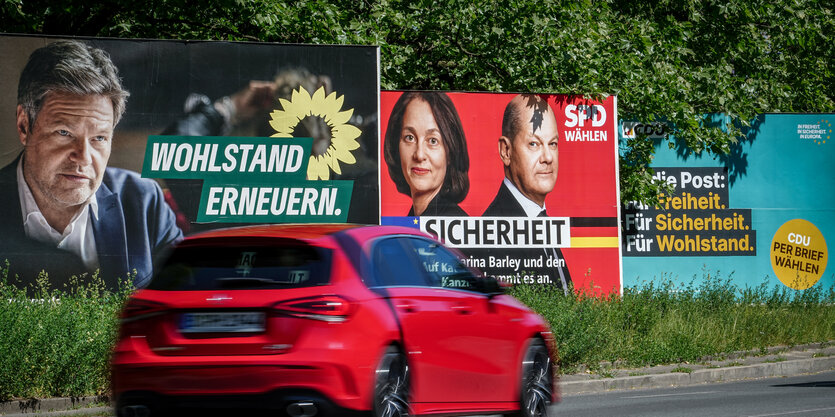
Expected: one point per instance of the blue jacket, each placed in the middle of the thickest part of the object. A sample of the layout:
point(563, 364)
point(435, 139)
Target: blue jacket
point(134, 225)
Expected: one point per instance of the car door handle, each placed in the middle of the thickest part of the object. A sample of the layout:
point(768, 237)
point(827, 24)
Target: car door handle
point(407, 307)
point(462, 309)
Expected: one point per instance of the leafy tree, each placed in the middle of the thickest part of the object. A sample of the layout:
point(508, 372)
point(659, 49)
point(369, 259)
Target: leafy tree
point(669, 60)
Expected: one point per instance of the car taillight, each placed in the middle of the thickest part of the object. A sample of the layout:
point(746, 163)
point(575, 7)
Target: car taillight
point(329, 308)
point(137, 309)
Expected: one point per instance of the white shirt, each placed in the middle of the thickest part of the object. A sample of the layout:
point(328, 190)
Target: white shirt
point(77, 238)
point(531, 209)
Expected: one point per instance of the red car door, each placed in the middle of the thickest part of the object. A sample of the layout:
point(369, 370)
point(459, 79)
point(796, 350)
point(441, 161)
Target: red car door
point(460, 343)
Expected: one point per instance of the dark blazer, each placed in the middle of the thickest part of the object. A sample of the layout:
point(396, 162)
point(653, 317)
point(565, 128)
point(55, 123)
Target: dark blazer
point(440, 206)
point(134, 224)
point(506, 205)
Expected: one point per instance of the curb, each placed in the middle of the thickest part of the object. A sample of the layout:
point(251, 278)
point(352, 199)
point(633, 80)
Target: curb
point(73, 412)
point(52, 406)
point(701, 376)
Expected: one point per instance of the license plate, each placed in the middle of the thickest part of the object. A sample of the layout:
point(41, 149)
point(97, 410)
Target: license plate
point(225, 322)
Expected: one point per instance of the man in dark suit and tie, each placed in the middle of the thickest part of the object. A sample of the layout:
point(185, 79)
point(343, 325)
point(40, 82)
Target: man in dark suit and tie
point(64, 211)
point(528, 149)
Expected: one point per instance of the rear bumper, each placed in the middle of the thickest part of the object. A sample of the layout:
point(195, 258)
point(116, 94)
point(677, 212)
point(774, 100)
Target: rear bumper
point(137, 371)
point(290, 403)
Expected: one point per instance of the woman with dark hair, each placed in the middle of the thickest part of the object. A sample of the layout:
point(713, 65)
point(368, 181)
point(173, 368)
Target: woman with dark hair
point(426, 153)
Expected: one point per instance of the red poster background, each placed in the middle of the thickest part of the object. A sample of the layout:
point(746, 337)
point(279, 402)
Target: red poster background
point(586, 188)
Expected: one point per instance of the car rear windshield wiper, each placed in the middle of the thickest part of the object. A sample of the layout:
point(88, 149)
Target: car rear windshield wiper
point(249, 281)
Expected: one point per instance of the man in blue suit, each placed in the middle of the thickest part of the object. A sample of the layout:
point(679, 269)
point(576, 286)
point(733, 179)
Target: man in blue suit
point(64, 211)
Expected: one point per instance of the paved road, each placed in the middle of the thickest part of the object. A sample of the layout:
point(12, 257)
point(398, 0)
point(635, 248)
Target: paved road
point(800, 396)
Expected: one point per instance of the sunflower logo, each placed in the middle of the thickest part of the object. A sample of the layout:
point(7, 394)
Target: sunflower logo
point(322, 118)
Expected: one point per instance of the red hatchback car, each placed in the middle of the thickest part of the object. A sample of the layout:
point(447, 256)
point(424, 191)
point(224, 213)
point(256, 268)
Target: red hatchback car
point(305, 320)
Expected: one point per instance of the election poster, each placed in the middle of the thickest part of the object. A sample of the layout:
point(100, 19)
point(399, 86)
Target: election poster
point(524, 185)
point(761, 215)
point(140, 142)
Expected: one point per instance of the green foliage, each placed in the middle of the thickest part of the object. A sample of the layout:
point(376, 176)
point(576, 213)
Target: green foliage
point(661, 323)
point(57, 343)
point(670, 61)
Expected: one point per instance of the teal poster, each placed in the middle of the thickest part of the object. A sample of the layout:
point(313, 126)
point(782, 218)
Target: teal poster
point(764, 214)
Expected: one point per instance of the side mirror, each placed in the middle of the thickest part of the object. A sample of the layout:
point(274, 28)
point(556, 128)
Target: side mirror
point(492, 286)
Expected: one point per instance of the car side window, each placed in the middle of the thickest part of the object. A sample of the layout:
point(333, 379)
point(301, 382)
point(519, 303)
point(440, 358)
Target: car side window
point(443, 267)
point(394, 264)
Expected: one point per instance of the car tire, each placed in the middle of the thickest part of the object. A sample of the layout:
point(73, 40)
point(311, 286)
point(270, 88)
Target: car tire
point(537, 382)
point(391, 385)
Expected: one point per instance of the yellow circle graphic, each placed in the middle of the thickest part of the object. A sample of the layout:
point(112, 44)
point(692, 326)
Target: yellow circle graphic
point(798, 254)
point(343, 137)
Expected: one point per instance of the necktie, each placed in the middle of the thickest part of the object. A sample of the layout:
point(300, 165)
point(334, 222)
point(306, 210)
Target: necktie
point(557, 255)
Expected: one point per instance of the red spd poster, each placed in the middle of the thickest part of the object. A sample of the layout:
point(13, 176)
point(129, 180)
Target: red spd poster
point(524, 185)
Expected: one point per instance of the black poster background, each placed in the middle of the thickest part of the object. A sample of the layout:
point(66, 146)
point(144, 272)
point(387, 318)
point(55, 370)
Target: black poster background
point(161, 75)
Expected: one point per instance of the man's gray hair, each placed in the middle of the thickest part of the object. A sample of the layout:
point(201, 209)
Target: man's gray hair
point(73, 67)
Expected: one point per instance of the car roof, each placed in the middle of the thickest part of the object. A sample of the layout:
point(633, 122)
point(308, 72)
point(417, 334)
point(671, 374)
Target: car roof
point(306, 232)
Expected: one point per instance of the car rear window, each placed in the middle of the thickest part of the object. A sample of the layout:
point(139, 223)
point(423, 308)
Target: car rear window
point(243, 264)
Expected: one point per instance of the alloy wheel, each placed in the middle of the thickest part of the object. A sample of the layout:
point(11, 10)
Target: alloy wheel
point(536, 382)
point(391, 387)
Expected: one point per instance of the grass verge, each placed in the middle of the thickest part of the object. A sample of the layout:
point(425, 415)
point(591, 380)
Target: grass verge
point(665, 324)
point(56, 343)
